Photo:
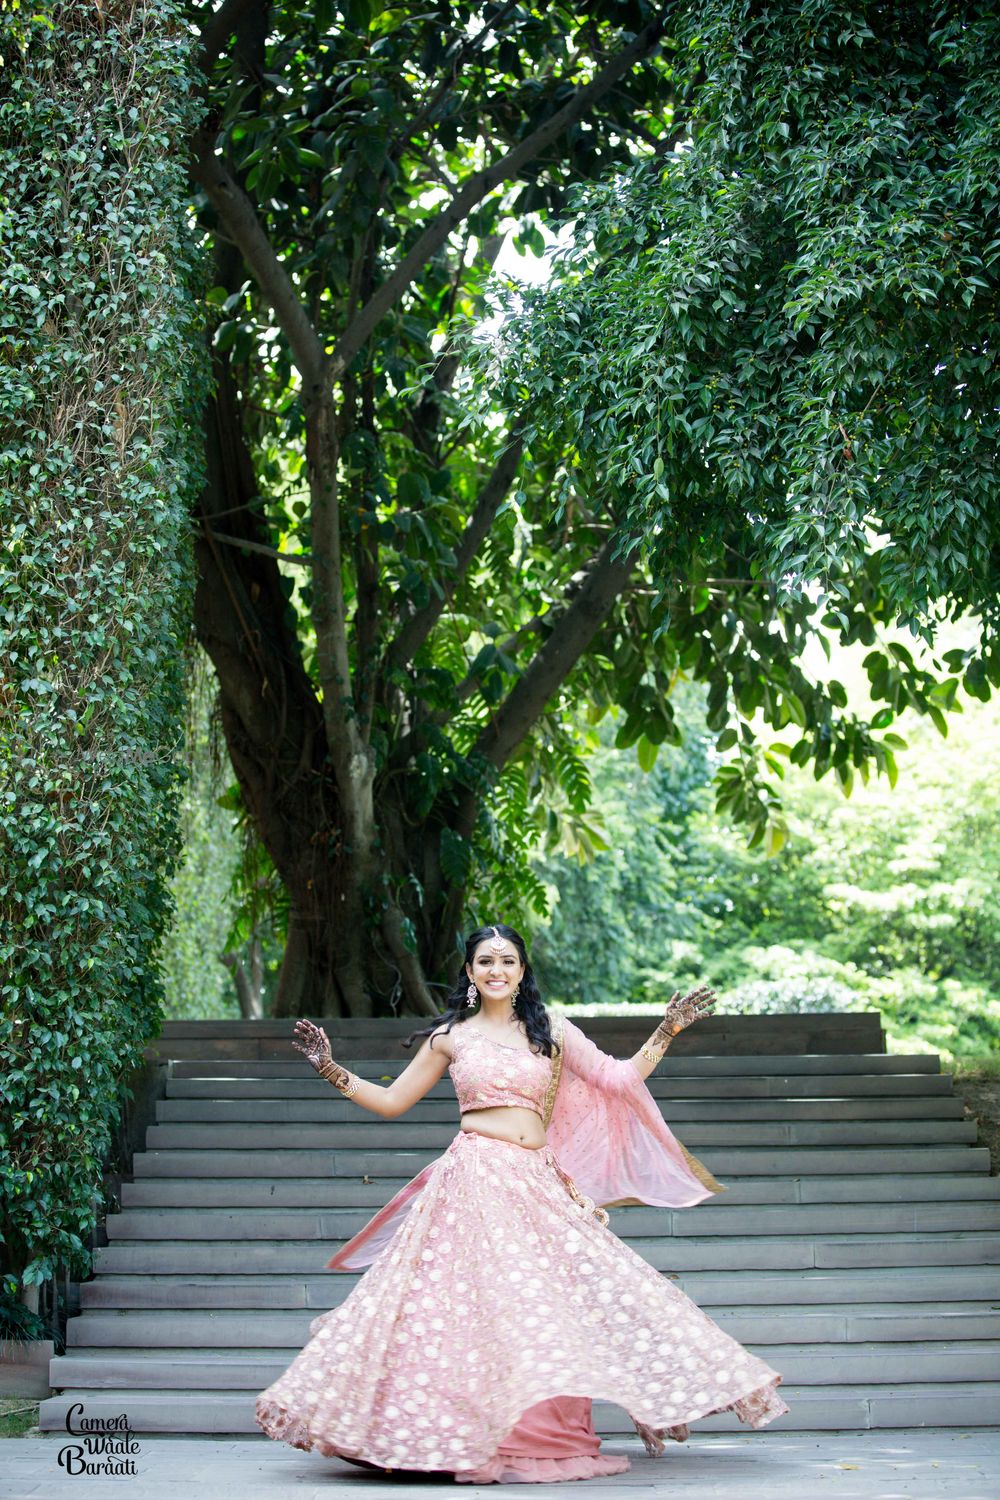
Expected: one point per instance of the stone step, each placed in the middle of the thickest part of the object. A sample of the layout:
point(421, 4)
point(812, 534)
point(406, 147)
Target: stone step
point(251, 1256)
point(749, 1322)
point(332, 1110)
point(299, 1225)
point(789, 1064)
point(306, 1085)
point(830, 1024)
point(856, 1251)
point(962, 1189)
point(285, 1287)
point(393, 1026)
point(812, 1409)
point(723, 1161)
point(388, 1135)
point(772, 1290)
point(803, 1033)
point(803, 1364)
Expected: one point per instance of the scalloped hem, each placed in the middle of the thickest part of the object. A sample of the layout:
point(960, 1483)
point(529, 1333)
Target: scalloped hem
point(277, 1422)
point(517, 1469)
point(760, 1407)
point(756, 1410)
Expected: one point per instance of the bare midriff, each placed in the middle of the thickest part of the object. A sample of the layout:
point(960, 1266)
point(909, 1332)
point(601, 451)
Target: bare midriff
point(507, 1122)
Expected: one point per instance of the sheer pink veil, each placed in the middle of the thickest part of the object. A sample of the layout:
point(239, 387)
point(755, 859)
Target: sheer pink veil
point(605, 1130)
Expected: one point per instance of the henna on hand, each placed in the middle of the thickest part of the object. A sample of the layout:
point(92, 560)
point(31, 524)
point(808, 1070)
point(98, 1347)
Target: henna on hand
point(315, 1047)
point(313, 1043)
point(681, 1013)
point(684, 1011)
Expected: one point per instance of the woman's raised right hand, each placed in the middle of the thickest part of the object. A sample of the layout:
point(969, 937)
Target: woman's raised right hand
point(313, 1043)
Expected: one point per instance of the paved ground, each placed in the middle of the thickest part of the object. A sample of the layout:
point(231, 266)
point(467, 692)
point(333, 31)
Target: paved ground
point(924, 1464)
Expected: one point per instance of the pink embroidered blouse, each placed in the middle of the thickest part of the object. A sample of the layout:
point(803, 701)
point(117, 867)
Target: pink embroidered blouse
point(487, 1073)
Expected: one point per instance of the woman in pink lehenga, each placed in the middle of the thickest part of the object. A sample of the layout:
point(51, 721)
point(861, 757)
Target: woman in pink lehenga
point(498, 1304)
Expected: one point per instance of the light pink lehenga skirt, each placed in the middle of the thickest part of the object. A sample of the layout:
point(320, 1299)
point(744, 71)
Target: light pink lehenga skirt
point(501, 1290)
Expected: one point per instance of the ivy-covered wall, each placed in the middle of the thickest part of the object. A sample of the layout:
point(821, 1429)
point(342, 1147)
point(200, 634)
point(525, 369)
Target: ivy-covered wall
point(101, 383)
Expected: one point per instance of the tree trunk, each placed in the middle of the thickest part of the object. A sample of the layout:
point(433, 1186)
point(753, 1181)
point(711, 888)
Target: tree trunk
point(273, 725)
point(248, 981)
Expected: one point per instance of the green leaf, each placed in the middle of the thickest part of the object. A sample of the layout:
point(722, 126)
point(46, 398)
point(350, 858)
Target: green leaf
point(777, 834)
point(646, 753)
point(456, 858)
point(413, 490)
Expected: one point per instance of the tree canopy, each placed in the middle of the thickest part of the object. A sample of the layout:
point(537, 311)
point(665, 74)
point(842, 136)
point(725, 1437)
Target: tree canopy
point(693, 425)
point(777, 350)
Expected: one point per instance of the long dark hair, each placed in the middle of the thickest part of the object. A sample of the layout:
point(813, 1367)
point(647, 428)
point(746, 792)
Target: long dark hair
point(528, 1006)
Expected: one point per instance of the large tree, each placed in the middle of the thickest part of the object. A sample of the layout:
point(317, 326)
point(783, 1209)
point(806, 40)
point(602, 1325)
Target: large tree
point(399, 702)
point(358, 167)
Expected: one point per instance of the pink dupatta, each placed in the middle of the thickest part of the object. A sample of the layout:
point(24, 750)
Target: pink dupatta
point(606, 1131)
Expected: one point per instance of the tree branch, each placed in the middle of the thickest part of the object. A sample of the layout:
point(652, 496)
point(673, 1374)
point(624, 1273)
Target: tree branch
point(418, 626)
point(427, 406)
point(239, 216)
point(476, 187)
point(526, 701)
point(412, 974)
point(456, 63)
point(553, 662)
point(297, 559)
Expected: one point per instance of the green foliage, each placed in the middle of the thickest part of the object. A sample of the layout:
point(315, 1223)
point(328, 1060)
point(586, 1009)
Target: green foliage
point(18, 1323)
point(98, 459)
point(776, 349)
point(616, 914)
point(794, 314)
point(878, 902)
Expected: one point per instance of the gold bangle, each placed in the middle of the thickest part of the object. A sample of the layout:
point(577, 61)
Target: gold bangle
point(652, 1055)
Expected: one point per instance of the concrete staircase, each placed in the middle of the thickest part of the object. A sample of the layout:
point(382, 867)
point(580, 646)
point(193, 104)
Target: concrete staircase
point(857, 1251)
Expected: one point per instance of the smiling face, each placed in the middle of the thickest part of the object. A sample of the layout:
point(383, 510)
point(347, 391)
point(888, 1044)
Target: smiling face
point(495, 974)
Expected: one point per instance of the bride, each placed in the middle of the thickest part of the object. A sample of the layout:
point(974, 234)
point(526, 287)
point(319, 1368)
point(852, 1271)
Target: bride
point(498, 1304)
